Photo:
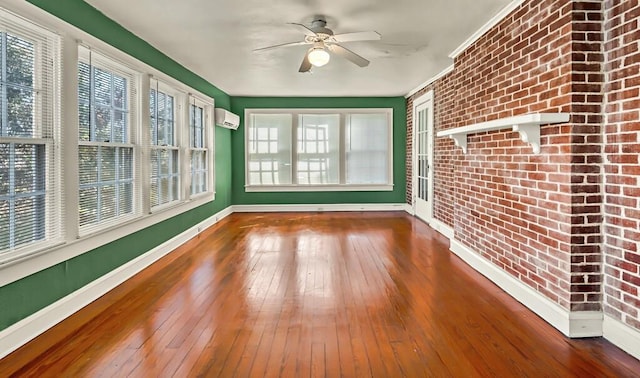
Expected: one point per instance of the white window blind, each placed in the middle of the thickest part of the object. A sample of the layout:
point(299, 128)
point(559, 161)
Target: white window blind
point(269, 149)
point(198, 148)
point(367, 148)
point(29, 82)
point(107, 114)
point(165, 172)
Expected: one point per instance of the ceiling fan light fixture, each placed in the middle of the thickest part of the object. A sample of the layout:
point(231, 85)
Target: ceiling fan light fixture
point(318, 56)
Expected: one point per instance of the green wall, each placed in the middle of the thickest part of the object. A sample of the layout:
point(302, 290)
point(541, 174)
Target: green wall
point(239, 104)
point(28, 295)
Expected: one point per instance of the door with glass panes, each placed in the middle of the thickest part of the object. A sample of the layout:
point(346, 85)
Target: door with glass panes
point(423, 156)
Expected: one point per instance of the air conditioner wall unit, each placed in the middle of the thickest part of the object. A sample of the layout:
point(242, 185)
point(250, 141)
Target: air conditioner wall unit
point(226, 119)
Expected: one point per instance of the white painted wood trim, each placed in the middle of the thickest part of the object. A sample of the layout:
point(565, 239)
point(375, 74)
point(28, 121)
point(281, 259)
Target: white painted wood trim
point(30, 327)
point(572, 324)
point(504, 12)
point(527, 125)
point(409, 209)
point(319, 207)
point(442, 228)
point(430, 81)
point(623, 336)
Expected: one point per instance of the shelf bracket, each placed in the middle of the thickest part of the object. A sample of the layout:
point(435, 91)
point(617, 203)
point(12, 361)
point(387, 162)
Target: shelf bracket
point(460, 141)
point(530, 133)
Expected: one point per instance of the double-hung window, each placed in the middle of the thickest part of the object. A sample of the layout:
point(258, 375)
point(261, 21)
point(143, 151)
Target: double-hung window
point(198, 147)
point(164, 154)
point(29, 77)
point(334, 149)
point(106, 148)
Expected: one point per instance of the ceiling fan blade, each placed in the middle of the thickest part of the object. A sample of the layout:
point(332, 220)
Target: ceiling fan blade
point(282, 45)
point(305, 66)
point(358, 36)
point(305, 29)
point(348, 54)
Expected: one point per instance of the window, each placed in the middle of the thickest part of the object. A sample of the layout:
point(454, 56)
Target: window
point(106, 95)
point(165, 173)
point(28, 168)
point(335, 149)
point(198, 148)
point(107, 160)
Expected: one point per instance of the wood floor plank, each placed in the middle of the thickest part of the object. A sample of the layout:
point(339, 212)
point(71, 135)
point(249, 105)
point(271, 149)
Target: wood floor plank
point(312, 295)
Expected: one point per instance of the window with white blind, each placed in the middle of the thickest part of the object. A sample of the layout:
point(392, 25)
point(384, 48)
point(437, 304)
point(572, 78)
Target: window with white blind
point(88, 142)
point(198, 147)
point(164, 160)
point(335, 149)
point(106, 111)
point(29, 75)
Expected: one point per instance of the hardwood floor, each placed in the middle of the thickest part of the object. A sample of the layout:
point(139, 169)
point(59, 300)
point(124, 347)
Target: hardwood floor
point(312, 295)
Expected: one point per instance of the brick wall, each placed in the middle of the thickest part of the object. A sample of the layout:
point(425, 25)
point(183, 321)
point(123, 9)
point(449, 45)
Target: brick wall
point(621, 165)
point(540, 217)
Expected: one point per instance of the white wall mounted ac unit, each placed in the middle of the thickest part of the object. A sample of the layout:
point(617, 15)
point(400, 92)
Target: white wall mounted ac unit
point(227, 119)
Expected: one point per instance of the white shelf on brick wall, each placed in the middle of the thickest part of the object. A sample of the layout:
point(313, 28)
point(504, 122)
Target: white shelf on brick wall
point(527, 125)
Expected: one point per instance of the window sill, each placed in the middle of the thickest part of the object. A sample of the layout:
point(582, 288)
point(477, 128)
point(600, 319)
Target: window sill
point(319, 188)
point(28, 261)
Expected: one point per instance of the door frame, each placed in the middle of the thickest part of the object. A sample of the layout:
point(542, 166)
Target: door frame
point(426, 98)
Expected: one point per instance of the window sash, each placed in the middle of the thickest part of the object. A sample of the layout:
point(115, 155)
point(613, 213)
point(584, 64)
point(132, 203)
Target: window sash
point(165, 176)
point(162, 113)
point(199, 170)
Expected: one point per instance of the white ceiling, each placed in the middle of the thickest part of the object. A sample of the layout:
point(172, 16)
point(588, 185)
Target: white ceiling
point(215, 39)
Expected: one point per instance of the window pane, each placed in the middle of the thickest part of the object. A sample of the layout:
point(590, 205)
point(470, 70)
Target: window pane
point(102, 105)
point(319, 149)
point(367, 149)
point(22, 194)
point(165, 178)
point(162, 118)
point(269, 141)
point(103, 172)
point(198, 172)
point(196, 128)
point(17, 102)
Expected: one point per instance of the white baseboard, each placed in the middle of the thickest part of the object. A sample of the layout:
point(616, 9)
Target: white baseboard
point(28, 328)
point(572, 324)
point(623, 336)
point(442, 228)
point(319, 207)
point(409, 209)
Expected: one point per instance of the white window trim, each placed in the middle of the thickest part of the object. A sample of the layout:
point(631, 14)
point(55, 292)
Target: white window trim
point(23, 262)
point(295, 113)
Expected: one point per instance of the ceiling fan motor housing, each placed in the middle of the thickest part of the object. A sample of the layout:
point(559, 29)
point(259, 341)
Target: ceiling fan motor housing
point(319, 26)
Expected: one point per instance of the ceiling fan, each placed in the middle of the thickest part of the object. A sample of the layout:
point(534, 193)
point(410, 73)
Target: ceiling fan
point(324, 41)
